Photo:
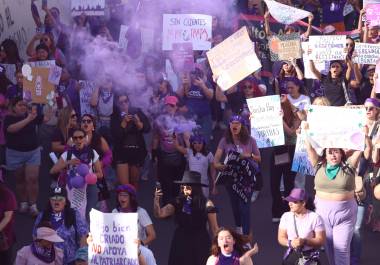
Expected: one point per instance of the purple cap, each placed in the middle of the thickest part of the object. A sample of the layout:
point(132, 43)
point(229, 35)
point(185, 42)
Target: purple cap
point(237, 118)
point(374, 101)
point(297, 195)
point(197, 138)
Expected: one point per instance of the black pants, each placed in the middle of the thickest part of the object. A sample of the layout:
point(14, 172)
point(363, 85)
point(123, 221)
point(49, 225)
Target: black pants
point(6, 257)
point(167, 174)
point(279, 206)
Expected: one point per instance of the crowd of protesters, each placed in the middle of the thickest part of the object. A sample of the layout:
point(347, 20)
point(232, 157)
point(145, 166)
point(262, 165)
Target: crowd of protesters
point(140, 117)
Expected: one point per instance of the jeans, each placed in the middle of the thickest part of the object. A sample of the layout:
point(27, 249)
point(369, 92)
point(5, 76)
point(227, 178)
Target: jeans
point(356, 245)
point(240, 210)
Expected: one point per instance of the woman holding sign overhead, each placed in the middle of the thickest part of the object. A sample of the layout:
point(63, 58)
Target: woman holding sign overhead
point(335, 197)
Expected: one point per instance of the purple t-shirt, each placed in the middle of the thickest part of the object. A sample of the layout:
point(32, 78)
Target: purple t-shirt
point(8, 203)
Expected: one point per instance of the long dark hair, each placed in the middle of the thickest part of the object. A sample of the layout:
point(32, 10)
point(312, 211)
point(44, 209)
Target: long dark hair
point(69, 214)
point(96, 139)
point(198, 198)
point(133, 204)
point(11, 50)
point(240, 241)
point(323, 160)
point(243, 135)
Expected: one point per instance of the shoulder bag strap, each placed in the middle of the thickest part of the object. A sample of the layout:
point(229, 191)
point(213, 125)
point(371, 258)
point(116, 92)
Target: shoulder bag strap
point(346, 95)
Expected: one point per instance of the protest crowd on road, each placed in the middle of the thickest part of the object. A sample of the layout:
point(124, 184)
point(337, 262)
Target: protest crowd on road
point(111, 96)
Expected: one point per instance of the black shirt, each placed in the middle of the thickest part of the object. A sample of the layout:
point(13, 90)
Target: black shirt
point(334, 91)
point(24, 140)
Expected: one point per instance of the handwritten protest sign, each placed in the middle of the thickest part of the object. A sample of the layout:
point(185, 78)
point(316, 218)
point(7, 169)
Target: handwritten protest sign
point(233, 59)
point(285, 47)
point(377, 71)
point(373, 14)
point(10, 72)
point(88, 7)
point(113, 238)
point(266, 121)
point(328, 48)
point(37, 89)
point(322, 66)
point(86, 90)
point(285, 14)
point(182, 57)
point(123, 40)
point(42, 64)
point(180, 28)
point(347, 129)
point(301, 162)
point(366, 53)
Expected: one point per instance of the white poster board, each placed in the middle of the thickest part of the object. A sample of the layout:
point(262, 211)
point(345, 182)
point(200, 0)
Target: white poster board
point(233, 59)
point(266, 121)
point(285, 14)
point(87, 88)
point(301, 161)
point(88, 7)
point(336, 127)
point(366, 53)
point(327, 48)
point(113, 238)
point(322, 66)
point(180, 28)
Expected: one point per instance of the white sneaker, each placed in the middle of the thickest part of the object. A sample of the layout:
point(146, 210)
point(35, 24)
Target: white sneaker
point(24, 207)
point(275, 220)
point(255, 195)
point(33, 211)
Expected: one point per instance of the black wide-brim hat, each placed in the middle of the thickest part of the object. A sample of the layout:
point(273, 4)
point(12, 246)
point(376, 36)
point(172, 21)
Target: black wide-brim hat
point(191, 178)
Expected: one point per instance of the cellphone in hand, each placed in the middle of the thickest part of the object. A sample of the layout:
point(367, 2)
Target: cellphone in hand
point(158, 186)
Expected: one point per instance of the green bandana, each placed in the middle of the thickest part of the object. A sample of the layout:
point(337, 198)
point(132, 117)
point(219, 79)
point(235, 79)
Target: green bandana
point(332, 171)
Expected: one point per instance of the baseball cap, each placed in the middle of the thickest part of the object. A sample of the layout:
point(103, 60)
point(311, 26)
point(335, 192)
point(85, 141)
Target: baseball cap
point(171, 100)
point(296, 195)
point(58, 191)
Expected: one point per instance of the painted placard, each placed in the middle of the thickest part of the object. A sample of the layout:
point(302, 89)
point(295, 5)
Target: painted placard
point(366, 53)
point(193, 28)
point(336, 127)
point(87, 88)
point(377, 71)
point(37, 89)
point(372, 14)
point(123, 40)
point(233, 59)
point(113, 238)
point(285, 14)
point(301, 162)
point(322, 66)
point(266, 121)
point(285, 47)
point(182, 57)
point(327, 48)
point(88, 7)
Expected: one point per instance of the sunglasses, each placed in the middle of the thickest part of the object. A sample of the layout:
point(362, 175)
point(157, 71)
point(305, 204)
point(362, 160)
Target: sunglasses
point(73, 116)
point(369, 108)
point(87, 121)
point(78, 137)
point(195, 142)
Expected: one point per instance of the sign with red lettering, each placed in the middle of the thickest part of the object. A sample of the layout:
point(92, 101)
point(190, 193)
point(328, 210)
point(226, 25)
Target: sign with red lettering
point(182, 28)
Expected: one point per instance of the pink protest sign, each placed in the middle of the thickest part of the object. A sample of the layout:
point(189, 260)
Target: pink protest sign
point(373, 14)
point(182, 57)
point(377, 71)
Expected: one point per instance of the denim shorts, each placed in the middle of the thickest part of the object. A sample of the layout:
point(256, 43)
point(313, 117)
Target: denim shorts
point(16, 159)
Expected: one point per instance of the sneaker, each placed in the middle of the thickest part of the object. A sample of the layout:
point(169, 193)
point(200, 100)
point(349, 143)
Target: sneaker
point(33, 211)
point(24, 207)
point(275, 220)
point(255, 195)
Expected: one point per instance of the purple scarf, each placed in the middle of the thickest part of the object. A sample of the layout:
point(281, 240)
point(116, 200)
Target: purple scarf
point(43, 254)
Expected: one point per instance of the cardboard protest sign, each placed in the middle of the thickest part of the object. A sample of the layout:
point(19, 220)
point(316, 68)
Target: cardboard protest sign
point(42, 64)
point(377, 71)
point(87, 88)
point(37, 88)
point(10, 72)
point(285, 14)
point(372, 14)
point(123, 40)
point(336, 127)
point(266, 121)
point(285, 47)
point(182, 57)
point(180, 28)
point(113, 238)
point(89, 7)
point(233, 59)
point(322, 66)
point(366, 53)
point(328, 48)
point(301, 162)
